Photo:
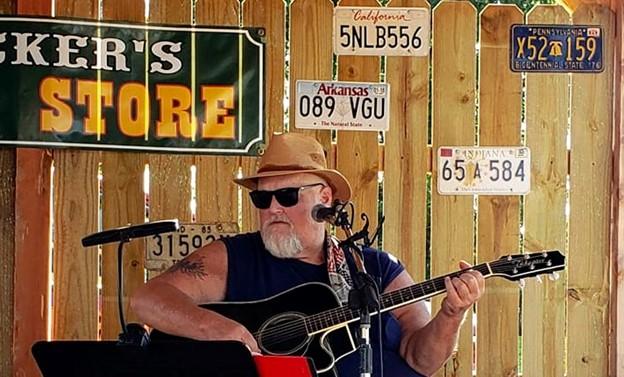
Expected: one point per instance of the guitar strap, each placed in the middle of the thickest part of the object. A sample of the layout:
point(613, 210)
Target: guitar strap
point(338, 269)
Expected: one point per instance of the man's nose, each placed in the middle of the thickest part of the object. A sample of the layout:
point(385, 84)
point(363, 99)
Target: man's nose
point(275, 207)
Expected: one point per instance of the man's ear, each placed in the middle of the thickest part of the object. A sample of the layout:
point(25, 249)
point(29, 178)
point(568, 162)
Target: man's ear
point(326, 196)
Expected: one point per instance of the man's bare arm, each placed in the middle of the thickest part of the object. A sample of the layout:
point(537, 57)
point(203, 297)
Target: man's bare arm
point(427, 343)
point(169, 302)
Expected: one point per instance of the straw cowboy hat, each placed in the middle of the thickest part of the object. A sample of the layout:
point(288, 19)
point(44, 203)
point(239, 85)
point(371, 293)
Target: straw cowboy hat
point(292, 153)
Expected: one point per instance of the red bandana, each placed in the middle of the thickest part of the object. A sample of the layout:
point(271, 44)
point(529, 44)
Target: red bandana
point(338, 270)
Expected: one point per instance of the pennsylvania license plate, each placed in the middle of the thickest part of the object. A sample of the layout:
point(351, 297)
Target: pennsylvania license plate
point(484, 170)
point(556, 48)
point(163, 250)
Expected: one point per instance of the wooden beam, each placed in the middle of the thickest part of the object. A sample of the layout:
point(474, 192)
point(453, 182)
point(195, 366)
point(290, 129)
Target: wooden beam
point(7, 257)
point(617, 230)
point(7, 241)
point(32, 230)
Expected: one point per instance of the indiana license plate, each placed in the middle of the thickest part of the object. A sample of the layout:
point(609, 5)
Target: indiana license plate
point(163, 250)
point(556, 48)
point(484, 170)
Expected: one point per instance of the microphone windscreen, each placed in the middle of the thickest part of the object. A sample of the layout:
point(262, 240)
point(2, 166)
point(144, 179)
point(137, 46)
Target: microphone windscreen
point(320, 212)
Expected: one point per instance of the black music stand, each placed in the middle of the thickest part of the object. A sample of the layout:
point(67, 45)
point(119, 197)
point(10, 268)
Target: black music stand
point(170, 359)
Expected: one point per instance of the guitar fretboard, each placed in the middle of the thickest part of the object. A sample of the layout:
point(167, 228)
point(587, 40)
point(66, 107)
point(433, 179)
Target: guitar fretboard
point(388, 301)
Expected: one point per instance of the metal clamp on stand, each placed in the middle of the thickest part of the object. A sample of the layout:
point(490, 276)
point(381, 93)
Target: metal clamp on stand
point(364, 297)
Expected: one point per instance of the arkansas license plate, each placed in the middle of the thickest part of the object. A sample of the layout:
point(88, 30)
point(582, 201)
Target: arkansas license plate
point(163, 250)
point(484, 170)
point(333, 105)
point(556, 48)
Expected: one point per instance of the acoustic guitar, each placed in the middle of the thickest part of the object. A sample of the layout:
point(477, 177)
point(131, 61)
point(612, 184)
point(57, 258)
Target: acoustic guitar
point(308, 320)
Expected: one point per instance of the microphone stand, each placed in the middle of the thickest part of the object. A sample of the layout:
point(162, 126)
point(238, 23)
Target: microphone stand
point(132, 334)
point(363, 296)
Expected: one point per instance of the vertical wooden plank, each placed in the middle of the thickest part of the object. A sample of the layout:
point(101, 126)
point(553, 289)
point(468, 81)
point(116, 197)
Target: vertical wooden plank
point(454, 88)
point(75, 306)
point(617, 308)
point(270, 15)
point(122, 204)
point(75, 298)
point(590, 194)
point(32, 259)
point(358, 151)
point(547, 102)
point(217, 195)
point(407, 153)
point(170, 175)
point(7, 257)
point(498, 224)
point(311, 53)
point(32, 240)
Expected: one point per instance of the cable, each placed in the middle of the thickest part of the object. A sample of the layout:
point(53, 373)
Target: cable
point(124, 328)
point(379, 286)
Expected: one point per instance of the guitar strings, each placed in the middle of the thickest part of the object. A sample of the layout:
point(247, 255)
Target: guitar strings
point(328, 318)
point(325, 319)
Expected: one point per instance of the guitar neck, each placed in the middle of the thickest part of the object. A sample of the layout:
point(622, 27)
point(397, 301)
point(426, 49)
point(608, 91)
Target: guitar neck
point(428, 288)
point(388, 301)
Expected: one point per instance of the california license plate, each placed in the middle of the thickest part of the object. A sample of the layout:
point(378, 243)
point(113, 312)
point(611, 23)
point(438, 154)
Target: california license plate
point(390, 31)
point(484, 170)
point(163, 250)
point(556, 48)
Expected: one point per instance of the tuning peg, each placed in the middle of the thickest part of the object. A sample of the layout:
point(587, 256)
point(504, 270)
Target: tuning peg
point(521, 283)
point(553, 276)
point(539, 279)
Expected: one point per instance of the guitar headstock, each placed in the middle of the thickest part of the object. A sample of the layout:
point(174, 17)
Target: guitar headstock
point(518, 266)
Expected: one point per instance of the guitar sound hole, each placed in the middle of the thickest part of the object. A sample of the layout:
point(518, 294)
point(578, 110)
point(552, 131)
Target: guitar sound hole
point(283, 334)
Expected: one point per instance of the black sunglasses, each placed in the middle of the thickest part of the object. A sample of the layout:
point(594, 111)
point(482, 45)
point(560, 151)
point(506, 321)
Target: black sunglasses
point(287, 196)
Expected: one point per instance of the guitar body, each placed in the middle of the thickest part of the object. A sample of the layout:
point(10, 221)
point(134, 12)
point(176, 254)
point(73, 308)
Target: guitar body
point(279, 327)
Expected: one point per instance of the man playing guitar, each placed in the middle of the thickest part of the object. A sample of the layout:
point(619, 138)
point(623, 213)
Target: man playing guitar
point(292, 249)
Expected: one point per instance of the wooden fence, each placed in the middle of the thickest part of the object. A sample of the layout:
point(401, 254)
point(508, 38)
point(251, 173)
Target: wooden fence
point(467, 92)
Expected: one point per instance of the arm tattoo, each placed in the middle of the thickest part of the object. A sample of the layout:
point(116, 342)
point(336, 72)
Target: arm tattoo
point(193, 268)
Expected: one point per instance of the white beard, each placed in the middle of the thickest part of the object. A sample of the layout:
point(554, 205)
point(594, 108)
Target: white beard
point(281, 245)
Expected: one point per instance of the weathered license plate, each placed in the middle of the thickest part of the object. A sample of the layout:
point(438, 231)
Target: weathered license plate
point(484, 170)
point(163, 250)
point(556, 48)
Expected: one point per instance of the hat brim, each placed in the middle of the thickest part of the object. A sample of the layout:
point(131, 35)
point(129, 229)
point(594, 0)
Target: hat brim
point(338, 182)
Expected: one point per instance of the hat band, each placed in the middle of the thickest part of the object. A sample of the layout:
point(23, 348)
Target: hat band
point(288, 167)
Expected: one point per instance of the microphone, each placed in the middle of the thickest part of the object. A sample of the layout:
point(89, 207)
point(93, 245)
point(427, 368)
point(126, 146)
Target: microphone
point(321, 213)
point(129, 232)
